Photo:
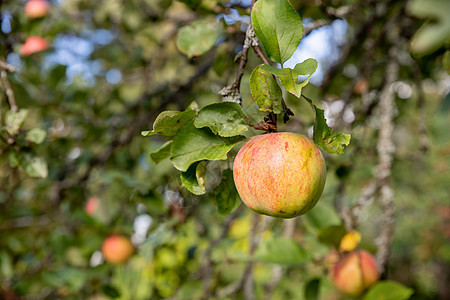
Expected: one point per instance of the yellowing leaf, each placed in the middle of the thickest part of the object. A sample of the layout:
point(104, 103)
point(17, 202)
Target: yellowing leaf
point(350, 241)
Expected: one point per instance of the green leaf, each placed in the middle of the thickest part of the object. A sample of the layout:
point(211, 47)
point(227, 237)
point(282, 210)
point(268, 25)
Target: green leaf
point(225, 118)
point(332, 235)
point(197, 38)
point(162, 153)
point(289, 77)
point(312, 289)
point(193, 178)
point(322, 216)
point(35, 167)
point(193, 144)
point(226, 196)
point(169, 122)
point(281, 250)
point(265, 90)
point(388, 290)
point(14, 120)
point(325, 136)
point(431, 35)
point(14, 159)
point(36, 135)
point(278, 27)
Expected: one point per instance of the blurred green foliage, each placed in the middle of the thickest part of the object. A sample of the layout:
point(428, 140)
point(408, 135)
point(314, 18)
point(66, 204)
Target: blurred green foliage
point(76, 135)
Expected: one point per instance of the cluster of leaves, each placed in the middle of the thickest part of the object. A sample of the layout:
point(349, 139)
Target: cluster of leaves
point(211, 132)
point(20, 145)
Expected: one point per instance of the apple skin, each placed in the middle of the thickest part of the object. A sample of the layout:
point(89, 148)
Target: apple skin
point(91, 205)
point(355, 272)
point(32, 45)
point(280, 174)
point(36, 8)
point(117, 249)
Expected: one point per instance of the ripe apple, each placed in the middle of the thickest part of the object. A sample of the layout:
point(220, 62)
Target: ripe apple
point(36, 8)
point(91, 205)
point(116, 249)
point(280, 174)
point(32, 45)
point(355, 272)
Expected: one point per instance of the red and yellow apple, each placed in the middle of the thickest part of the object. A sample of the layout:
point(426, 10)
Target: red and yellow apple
point(280, 174)
point(355, 272)
point(91, 205)
point(117, 249)
point(36, 8)
point(32, 45)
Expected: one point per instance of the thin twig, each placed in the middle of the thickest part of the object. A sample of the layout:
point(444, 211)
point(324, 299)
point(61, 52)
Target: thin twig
point(8, 90)
point(7, 67)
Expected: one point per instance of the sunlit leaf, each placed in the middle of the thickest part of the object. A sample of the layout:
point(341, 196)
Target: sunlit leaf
point(197, 38)
point(226, 119)
point(289, 77)
point(169, 122)
point(265, 90)
point(279, 28)
point(36, 135)
point(324, 136)
point(14, 120)
point(35, 166)
point(388, 290)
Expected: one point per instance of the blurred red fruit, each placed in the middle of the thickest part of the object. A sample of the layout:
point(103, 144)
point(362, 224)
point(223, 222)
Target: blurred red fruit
point(355, 272)
point(36, 8)
point(32, 45)
point(117, 249)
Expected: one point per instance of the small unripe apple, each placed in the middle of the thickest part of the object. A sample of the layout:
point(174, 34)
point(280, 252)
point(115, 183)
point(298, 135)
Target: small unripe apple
point(355, 272)
point(32, 45)
point(91, 206)
point(36, 8)
point(117, 249)
point(280, 174)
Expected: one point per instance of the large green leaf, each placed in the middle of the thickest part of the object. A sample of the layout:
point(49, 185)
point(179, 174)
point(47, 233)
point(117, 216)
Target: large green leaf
point(193, 178)
point(289, 77)
point(194, 144)
point(225, 118)
point(324, 136)
point(281, 250)
point(279, 28)
point(227, 197)
point(265, 90)
point(197, 38)
point(388, 290)
point(14, 120)
point(162, 153)
point(169, 122)
point(433, 34)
